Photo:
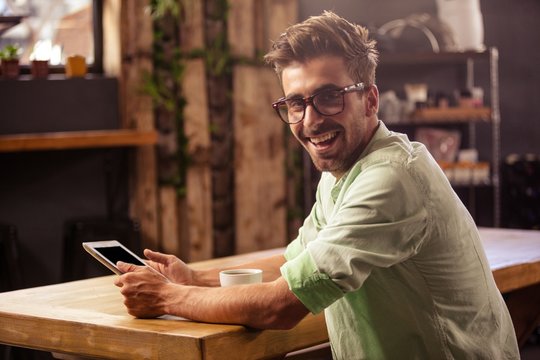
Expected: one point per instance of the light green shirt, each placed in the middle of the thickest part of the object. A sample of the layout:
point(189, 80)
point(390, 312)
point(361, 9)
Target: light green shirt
point(394, 259)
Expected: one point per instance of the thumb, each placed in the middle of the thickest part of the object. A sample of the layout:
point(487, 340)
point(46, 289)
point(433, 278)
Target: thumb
point(125, 267)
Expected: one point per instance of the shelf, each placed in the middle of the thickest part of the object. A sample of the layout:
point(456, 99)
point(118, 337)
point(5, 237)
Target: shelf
point(76, 140)
point(438, 69)
point(423, 58)
point(449, 115)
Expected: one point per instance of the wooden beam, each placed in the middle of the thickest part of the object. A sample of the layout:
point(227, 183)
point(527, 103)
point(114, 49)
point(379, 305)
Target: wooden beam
point(199, 173)
point(254, 24)
point(112, 44)
point(241, 28)
point(260, 214)
point(277, 16)
point(168, 214)
point(260, 197)
point(192, 25)
point(127, 33)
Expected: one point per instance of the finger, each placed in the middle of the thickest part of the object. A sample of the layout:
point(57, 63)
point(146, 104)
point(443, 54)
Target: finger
point(158, 257)
point(126, 267)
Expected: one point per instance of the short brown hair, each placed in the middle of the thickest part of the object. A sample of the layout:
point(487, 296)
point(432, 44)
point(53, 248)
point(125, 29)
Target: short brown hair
point(327, 34)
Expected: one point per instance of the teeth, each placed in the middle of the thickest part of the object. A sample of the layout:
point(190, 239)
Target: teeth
point(325, 137)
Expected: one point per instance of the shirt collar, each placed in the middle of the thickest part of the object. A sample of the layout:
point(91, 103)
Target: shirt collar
point(381, 132)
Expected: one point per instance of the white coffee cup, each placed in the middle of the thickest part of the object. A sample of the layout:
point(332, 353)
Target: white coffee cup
point(240, 276)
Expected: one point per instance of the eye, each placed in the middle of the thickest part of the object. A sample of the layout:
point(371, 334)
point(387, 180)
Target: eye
point(295, 104)
point(328, 97)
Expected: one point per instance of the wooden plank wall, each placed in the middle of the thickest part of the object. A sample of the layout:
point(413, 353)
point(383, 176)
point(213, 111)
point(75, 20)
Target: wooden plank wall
point(127, 43)
point(198, 202)
point(260, 179)
point(184, 227)
point(196, 208)
point(260, 198)
point(186, 222)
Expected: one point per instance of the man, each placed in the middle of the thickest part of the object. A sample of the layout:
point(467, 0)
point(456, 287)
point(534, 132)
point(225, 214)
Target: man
point(388, 251)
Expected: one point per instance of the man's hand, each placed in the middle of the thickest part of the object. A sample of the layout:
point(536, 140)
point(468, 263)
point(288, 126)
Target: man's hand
point(145, 292)
point(197, 295)
point(173, 268)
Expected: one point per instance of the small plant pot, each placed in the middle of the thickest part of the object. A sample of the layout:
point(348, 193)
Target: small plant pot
point(10, 69)
point(40, 69)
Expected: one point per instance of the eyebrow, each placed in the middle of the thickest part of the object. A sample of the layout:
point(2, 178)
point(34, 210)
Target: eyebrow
point(323, 87)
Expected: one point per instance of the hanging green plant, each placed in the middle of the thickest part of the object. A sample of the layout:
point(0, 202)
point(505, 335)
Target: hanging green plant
point(161, 8)
point(163, 85)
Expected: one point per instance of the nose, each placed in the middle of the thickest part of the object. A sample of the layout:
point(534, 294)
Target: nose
point(311, 117)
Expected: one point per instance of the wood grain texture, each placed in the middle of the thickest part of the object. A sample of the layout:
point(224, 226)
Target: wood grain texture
point(517, 276)
point(127, 55)
point(76, 140)
point(260, 215)
point(88, 318)
point(241, 27)
point(278, 15)
point(514, 257)
point(199, 174)
point(254, 24)
point(168, 215)
point(192, 25)
point(143, 195)
point(112, 55)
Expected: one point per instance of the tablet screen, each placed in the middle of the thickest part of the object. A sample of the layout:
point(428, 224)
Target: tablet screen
point(116, 253)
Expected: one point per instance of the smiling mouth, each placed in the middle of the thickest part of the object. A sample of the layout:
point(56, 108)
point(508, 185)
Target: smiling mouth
point(323, 139)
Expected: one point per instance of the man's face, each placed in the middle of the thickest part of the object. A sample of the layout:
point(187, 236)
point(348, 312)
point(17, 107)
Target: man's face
point(333, 142)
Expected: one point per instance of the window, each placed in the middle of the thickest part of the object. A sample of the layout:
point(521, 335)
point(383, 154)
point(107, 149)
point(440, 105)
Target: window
point(53, 30)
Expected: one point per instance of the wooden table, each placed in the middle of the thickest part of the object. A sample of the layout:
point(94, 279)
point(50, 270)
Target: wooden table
point(88, 318)
point(514, 258)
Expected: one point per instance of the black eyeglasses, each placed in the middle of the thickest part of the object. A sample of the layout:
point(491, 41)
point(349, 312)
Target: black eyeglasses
point(326, 102)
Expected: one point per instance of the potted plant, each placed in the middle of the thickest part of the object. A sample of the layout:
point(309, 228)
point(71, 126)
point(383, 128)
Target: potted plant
point(9, 56)
point(39, 59)
point(39, 68)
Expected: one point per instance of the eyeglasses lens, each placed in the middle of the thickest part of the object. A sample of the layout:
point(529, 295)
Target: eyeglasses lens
point(328, 103)
point(283, 111)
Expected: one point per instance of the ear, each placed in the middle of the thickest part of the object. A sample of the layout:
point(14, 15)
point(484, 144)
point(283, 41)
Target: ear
point(372, 100)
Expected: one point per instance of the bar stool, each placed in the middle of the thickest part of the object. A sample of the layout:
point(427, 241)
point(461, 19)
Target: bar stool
point(11, 278)
point(113, 225)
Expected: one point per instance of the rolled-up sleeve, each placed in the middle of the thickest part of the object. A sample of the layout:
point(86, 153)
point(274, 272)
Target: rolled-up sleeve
point(376, 222)
point(314, 289)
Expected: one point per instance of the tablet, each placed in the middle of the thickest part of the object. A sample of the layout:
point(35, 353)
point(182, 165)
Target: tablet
point(110, 252)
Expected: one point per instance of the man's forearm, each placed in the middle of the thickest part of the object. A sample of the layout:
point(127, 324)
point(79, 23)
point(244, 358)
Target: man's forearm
point(268, 305)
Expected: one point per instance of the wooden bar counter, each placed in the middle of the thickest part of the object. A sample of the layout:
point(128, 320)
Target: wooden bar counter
point(514, 258)
point(87, 318)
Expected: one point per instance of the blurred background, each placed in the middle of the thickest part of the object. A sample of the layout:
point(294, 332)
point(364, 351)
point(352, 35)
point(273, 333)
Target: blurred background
point(167, 138)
